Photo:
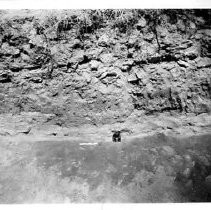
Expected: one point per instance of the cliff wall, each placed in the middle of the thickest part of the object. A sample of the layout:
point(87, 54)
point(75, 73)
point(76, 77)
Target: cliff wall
point(102, 66)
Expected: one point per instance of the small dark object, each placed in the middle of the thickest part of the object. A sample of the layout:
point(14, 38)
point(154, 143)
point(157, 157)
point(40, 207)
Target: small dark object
point(27, 131)
point(116, 136)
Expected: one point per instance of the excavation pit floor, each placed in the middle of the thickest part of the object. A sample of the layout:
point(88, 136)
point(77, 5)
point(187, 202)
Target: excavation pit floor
point(158, 168)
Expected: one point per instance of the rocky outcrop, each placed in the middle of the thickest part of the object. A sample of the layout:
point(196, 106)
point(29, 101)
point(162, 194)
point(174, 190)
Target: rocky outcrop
point(102, 73)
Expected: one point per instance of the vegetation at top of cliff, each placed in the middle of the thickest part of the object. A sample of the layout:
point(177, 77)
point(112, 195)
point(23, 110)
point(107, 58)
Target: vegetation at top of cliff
point(124, 20)
point(87, 21)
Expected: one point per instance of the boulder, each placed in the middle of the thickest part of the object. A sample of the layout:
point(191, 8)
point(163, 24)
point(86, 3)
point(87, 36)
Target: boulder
point(207, 32)
point(94, 64)
point(127, 64)
point(192, 52)
point(9, 50)
point(77, 57)
point(149, 37)
point(141, 23)
point(5, 76)
point(168, 66)
point(204, 62)
point(87, 77)
point(93, 53)
point(37, 40)
point(108, 74)
point(25, 57)
point(183, 63)
point(132, 78)
point(107, 58)
point(133, 40)
point(198, 36)
point(120, 50)
point(75, 43)
point(181, 25)
point(124, 64)
point(192, 25)
point(103, 40)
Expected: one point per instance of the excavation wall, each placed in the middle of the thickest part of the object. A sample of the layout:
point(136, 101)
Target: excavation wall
point(86, 68)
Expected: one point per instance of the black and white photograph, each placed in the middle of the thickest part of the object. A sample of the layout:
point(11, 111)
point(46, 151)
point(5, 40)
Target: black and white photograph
point(108, 105)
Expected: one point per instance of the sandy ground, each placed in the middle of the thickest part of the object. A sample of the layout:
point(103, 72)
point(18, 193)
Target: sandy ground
point(137, 170)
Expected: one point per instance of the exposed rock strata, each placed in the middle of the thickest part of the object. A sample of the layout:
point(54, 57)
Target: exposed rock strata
point(104, 75)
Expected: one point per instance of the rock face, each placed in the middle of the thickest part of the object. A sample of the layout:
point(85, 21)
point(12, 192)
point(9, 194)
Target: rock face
point(98, 74)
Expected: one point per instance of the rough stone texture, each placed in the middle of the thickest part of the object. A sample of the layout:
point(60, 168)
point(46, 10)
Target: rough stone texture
point(105, 75)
